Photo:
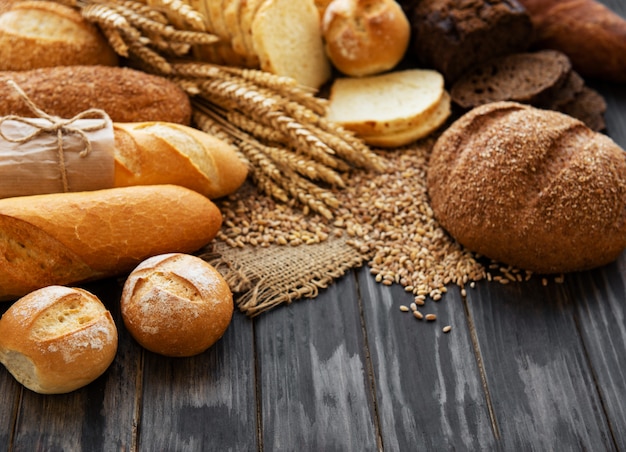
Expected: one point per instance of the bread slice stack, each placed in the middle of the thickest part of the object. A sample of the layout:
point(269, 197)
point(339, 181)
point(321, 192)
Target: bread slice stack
point(392, 109)
point(544, 79)
point(278, 36)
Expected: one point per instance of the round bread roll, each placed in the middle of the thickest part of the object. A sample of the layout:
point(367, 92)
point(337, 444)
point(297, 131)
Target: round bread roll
point(535, 189)
point(365, 37)
point(57, 339)
point(176, 304)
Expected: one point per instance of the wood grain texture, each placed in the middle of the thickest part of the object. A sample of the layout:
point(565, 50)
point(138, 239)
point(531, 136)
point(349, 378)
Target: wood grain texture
point(428, 384)
point(313, 382)
point(205, 402)
point(536, 367)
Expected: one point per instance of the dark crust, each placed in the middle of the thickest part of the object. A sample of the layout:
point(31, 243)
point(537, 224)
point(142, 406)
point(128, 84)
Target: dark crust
point(531, 188)
point(532, 77)
point(454, 35)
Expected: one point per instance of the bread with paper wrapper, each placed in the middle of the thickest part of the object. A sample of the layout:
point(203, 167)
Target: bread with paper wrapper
point(57, 339)
point(65, 238)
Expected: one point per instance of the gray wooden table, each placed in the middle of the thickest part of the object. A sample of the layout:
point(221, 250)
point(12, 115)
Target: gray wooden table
point(527, 366)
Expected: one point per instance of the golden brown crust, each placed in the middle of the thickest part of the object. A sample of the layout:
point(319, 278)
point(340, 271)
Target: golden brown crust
point(531, 188)
point(36, 34)
point(176, 305)
point(365, 37)
point(152, 153)
point(57, 339)
point(127, 95)
point(100, 233)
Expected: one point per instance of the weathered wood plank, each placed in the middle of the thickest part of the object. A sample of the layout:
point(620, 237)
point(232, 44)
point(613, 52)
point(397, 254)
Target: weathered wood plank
point(313, 380)
point(428, 385)
point(205, 402)
point(98, 417)
point(10, 400)
point(537, 372)
point(600, 296)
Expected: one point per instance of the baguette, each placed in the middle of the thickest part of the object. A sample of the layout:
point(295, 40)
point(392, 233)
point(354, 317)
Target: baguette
point(592, 35)
point(36, 34)
point(73, 237)
point(152, 153)
point(125, 94)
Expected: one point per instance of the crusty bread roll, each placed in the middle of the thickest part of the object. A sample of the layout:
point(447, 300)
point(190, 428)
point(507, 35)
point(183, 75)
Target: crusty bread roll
point(127, 95)
point(57, 339)
point(153, 153)
point(176, 305)
point(589, 33)
point(65, 238)
point(365, 37)
point(531, 188)
point(35, 34)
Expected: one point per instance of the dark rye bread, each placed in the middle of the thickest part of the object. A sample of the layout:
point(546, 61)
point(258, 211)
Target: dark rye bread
point(454, 35)
point(588, 106)
point(532, 188)
point(530, 77)
point(127, 95)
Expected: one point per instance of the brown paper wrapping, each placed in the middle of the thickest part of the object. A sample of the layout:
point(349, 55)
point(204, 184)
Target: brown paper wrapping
point(35, 166)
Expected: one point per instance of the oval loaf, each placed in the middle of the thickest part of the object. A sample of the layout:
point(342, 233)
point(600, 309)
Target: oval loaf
point(125, 94)
point(532, 188)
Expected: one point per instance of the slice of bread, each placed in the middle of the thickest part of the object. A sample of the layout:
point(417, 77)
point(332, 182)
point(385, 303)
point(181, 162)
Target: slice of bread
point(428, 125)
point(385, 104)
point(249, 9)
point(589, 107)
point(530, 78)
point(287, 38)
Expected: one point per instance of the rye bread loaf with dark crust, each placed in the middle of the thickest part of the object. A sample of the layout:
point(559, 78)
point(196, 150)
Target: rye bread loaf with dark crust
point(528, 77)
point(454, 35)
point(531, 188)
point(125, 94)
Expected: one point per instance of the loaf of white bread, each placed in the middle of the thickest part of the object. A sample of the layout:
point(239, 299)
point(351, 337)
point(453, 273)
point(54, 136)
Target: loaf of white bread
point(283, 37)
point(391, 109)
point(36, 34)
point(66, 238)
point(57, 339)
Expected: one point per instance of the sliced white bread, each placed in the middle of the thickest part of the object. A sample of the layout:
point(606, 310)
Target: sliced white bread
point(428, 125)
point(383, 104)
point(287, 38)
point(249, 9)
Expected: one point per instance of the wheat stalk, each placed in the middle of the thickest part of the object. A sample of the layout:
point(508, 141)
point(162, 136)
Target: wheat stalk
point(279, 128)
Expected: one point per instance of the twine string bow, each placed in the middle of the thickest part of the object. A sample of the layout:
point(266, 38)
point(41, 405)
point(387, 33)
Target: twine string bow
point(57, 126)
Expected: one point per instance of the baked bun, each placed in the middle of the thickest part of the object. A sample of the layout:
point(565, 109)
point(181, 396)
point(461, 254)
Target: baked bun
point(57, 339)
point(365, 37)
point(176, 304)
point(532, 188)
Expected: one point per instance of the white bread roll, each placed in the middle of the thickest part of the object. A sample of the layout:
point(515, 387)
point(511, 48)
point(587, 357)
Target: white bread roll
point(57, 339)
point(365, 37)
point(66, 238)
point(387, 103)
point(176, 305)
point(153, 153)
point(35, 34)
